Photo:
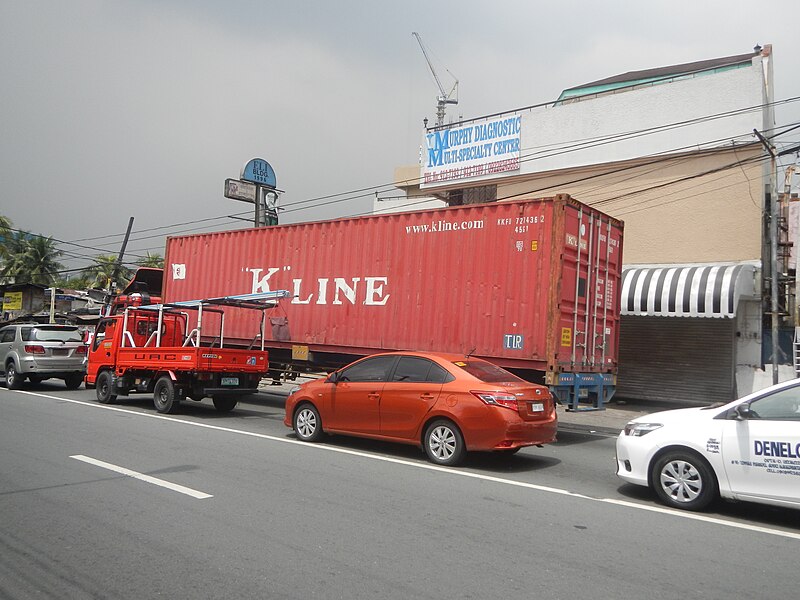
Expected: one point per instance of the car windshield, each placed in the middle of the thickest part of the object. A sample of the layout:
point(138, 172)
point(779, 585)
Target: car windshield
point(486, 371)
point(54, 334)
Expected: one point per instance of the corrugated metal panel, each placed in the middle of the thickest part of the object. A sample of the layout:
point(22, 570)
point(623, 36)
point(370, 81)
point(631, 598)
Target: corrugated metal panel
point(689, 360)
point(485, 279)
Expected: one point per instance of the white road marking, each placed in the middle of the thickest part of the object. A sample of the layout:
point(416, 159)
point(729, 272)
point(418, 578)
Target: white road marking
point(142, 477)
point(449, 471)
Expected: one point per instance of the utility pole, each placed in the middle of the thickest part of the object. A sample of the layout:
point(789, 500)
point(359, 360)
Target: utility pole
point(773, 252)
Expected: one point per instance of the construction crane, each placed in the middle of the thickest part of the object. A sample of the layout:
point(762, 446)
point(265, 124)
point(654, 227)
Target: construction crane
point(443, 99)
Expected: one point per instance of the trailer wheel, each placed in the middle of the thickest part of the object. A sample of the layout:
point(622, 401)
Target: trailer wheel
point(164, 396)
point(104, 388)
point(307, 424)
point(224, 404)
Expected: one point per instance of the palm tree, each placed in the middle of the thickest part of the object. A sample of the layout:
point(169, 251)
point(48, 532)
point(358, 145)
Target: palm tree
point(5, 231)
point(30, 259)
point(101, 273)
point(155, 261)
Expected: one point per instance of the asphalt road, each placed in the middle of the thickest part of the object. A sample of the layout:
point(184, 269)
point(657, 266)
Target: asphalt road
point(120, 502)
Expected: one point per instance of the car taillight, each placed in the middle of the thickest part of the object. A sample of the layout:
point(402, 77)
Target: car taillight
point(497, 399)
point(80, 350)
point(31, 349)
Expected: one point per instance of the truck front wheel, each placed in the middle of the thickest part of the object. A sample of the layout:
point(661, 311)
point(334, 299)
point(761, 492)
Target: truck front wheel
point(164, 396)
point(104, 388)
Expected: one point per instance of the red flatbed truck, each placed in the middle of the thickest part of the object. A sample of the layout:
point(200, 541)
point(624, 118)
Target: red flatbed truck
point(177, 351)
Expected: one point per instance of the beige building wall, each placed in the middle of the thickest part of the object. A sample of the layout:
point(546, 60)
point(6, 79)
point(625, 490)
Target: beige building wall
point(698, 207)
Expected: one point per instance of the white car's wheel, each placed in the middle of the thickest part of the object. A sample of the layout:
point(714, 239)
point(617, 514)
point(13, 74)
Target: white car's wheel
point(682, 479)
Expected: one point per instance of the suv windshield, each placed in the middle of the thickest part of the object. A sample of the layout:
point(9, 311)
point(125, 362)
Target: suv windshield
point(51, 334)
point(486, 371)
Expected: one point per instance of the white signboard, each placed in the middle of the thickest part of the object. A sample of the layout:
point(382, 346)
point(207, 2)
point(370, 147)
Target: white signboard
point(474, 150)
point(240, 190)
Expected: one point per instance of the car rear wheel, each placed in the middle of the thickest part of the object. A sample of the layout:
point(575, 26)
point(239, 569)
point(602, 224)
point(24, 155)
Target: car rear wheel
point(444, 443)
point(104, 388)
point(164, 396)
point(224, 403)
point(13, 378)
point(307, 424)
point(73, 382)
point(682, 479)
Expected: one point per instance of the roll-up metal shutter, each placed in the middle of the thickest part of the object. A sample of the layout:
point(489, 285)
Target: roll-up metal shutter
point(679, 360)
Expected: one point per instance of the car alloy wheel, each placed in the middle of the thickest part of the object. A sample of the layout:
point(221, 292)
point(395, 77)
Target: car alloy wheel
point(13, 379)
point(307, 424)
point(444, 443)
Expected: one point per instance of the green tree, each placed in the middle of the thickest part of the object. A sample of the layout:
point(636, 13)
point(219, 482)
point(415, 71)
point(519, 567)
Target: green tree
point(101, 273)
point(30, 259)
point(155, 261)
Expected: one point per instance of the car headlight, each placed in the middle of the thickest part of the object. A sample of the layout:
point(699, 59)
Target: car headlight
point(640, 429)
point(294, 389)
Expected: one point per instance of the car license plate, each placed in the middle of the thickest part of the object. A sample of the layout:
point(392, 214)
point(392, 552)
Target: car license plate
point(230, 381)
point(537, 406)
point(60, 351)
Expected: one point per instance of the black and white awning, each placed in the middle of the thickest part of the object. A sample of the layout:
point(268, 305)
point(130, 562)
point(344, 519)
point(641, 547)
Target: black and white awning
point(696, 290)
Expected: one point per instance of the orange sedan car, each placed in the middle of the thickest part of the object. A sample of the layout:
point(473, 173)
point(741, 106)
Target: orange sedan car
point(445, 403)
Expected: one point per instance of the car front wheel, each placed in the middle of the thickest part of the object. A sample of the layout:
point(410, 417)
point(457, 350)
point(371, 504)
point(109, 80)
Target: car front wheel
point(444, 443)
point(682, 479)
point(307, 424)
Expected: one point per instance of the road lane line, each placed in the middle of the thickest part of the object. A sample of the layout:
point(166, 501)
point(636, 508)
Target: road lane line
point(450, 471)
point(142, 477)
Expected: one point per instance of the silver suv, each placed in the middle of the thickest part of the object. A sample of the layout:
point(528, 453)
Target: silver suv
point(40, 352)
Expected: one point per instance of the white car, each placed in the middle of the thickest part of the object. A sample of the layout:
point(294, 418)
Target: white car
point(748, 450)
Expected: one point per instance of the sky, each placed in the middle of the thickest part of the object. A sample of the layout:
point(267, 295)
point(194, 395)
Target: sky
point(111, 109)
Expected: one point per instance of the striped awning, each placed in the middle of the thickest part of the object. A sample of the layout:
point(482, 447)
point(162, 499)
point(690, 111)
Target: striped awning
point(696, 290)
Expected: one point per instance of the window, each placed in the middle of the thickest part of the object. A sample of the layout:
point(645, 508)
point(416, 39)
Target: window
point(780, 406)
point(369, 369)
point(56, 334)
point(486, 371)
point(7, 335)
point(415, 369)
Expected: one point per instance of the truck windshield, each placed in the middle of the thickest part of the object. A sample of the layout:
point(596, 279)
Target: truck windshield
point(54, 334)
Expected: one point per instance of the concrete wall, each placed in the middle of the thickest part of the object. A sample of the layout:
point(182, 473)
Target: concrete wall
point(706, 218)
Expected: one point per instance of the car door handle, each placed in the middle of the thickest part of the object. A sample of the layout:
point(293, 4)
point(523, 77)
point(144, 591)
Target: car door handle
point(374, 395)
point(427, 396)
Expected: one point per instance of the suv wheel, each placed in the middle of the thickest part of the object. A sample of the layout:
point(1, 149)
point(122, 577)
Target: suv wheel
point(13, 379)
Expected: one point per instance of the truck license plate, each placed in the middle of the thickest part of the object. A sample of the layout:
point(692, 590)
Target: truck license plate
point(230, 381)
point(537, 406)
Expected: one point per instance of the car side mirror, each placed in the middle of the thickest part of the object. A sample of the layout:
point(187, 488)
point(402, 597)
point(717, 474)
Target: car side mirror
point(333, 377)
point(743, 412)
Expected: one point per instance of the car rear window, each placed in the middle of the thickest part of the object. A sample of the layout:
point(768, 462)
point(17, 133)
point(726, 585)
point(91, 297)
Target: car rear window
point(53, 334)
point(486, 371)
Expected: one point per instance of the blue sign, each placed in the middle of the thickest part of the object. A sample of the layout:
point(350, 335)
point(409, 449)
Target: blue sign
point(259, 171)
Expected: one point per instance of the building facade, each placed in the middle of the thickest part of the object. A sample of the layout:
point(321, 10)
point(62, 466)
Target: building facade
point(672, 152)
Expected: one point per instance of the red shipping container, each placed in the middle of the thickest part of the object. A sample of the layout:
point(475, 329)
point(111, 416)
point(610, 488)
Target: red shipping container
point(530, 284)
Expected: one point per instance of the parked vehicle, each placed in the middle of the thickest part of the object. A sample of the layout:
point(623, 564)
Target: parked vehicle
point(531, 285)
point(178, 351)
point(38, 352)
point(748, 449)
point(447, 404)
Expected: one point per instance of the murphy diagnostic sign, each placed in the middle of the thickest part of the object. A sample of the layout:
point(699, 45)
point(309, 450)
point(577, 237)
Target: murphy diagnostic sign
point(475, 150)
